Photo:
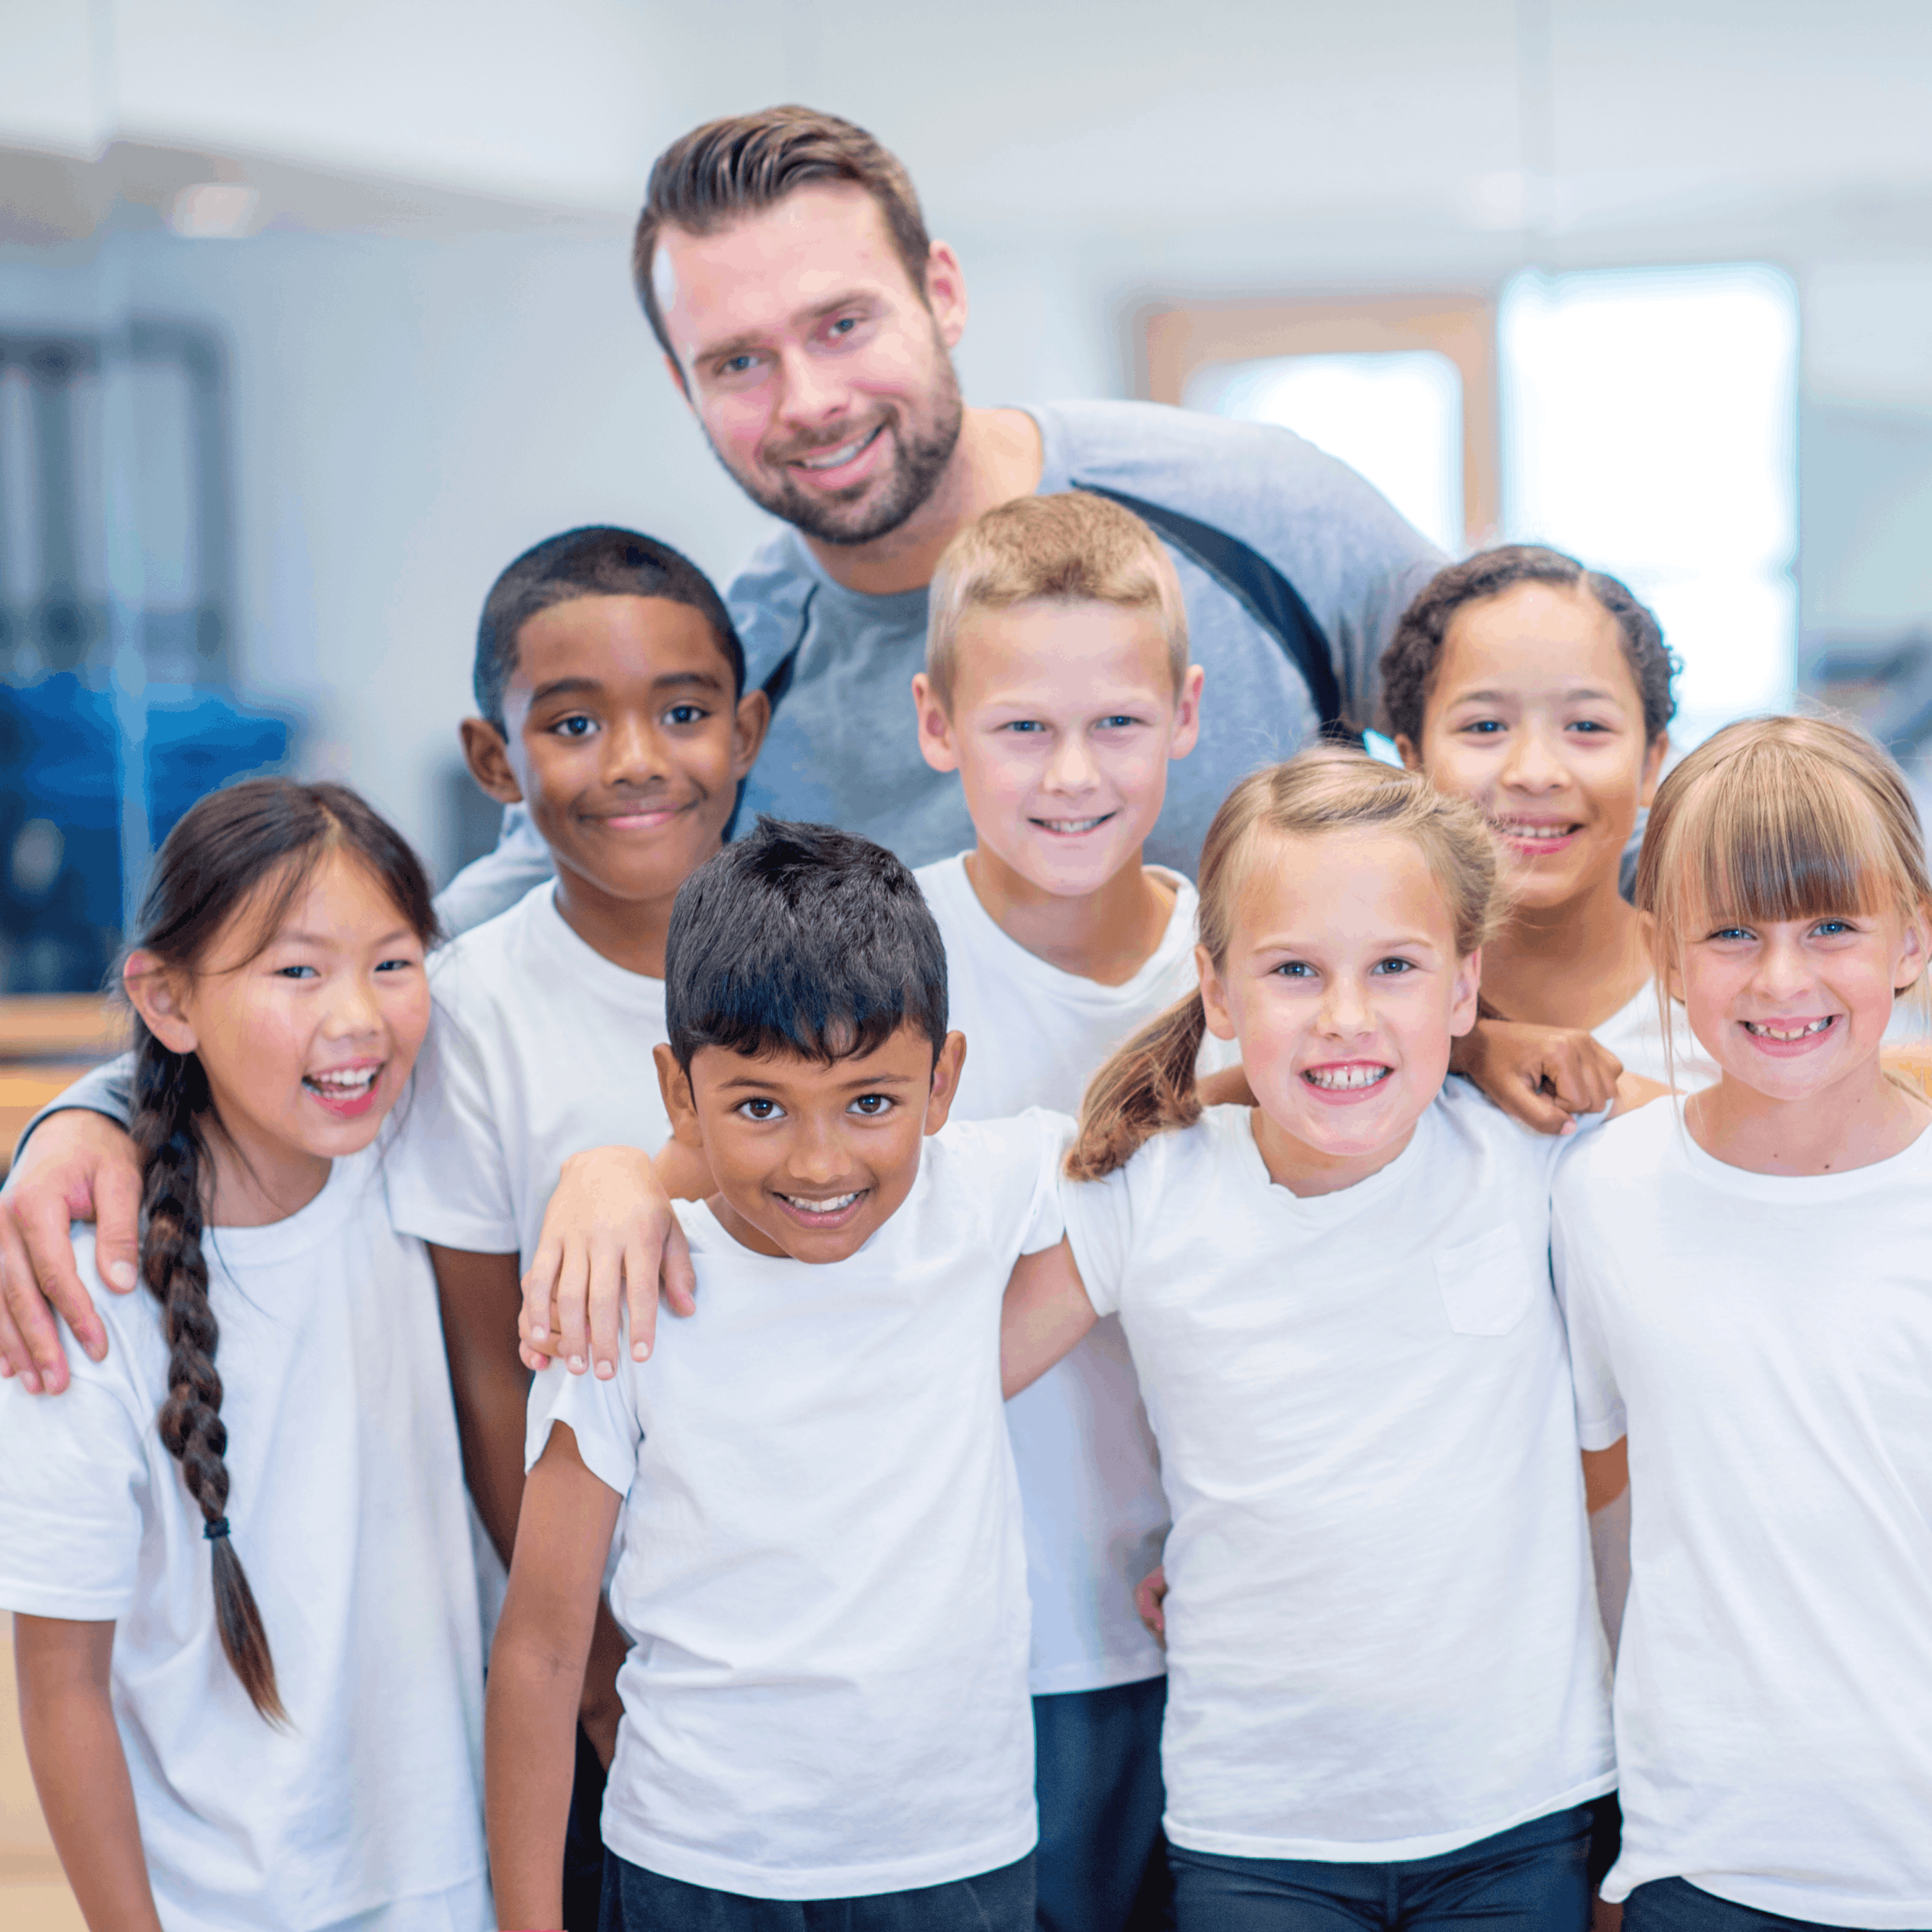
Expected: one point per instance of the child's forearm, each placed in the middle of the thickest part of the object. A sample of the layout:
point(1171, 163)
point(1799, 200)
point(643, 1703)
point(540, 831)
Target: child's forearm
point(80, 1771)
point(480, 1296)
point(530, 1758)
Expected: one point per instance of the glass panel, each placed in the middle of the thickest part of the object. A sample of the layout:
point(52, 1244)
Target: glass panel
point(1395, 415)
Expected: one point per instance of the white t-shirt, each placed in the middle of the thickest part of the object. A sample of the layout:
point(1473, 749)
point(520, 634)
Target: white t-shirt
point(347, 1508)
point(1382, 1640)
point(1089, 1474)
point(1635, 1034)
point(541, 1047)
point(1767, 1342)
point(823, 1571)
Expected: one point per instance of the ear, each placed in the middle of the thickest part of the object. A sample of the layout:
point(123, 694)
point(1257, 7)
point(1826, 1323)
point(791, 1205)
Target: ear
point(1213, 996)
point(1915, 948)
point(680, 1103)
point(488, 758)
point(1467, 985)
point(156, 994)
point(946, 1066)
point(946, 292)
point(748, 732)
point(1653, 765)
point(937, 746)
point(1412, 757)
point(1187, 712)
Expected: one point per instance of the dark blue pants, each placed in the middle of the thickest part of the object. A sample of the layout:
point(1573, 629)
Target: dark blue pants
point(1096, 1777)
point(1533, 1878)
point(636, 1901)
point(1676, 1905)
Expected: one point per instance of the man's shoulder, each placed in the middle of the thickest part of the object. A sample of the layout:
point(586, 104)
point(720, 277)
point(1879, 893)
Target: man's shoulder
point(767, 597)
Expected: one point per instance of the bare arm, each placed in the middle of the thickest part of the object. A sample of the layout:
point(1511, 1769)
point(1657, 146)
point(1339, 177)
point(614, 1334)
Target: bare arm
point(608, 1235)
point(78, 1165)
point(536, 1669)
point(1606, 1475)
point(1044, 1316)
point(480, 1298)
point(67, 1717)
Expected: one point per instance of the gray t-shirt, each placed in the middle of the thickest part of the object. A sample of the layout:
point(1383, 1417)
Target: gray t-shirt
point(844, 748)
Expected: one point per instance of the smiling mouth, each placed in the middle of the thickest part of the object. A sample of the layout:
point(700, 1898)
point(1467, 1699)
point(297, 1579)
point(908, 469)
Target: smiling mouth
point(1350, 1079)
point(1524, 833)
point(846, 452)
point(344, 1090)
point(824, 1210)
point(1784, 1036)
point(1071, 828)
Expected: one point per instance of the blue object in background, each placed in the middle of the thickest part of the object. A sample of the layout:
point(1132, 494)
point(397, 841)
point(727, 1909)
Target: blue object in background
point(60, 812)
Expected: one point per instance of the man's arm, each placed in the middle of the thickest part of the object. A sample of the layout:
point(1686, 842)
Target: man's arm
point(480, 1298)
point(74, 1163)
point(1043, 1317)
point(536, 1667)
point(67, 1719)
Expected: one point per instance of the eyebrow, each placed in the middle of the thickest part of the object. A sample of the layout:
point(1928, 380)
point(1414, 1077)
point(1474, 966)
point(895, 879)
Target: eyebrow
point(736, 345)
point(860, 1086)
point(672, 680)
point(1575, 692)
point(564, 687)
point(293, 938)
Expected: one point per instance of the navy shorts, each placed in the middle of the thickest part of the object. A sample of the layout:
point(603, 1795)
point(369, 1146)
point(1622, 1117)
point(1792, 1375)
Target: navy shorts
point(636, 1901)
point(1676, 1905)
point(1532, 1878)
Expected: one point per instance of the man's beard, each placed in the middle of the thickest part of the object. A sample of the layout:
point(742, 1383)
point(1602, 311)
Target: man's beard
point(920, 455)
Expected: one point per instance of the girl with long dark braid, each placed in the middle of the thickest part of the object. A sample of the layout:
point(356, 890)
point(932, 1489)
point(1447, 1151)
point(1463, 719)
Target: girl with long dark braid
point(294, 1744)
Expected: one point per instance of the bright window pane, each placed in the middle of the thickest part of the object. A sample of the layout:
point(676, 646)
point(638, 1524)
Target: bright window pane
point(1650, 428)
point(1395, 416)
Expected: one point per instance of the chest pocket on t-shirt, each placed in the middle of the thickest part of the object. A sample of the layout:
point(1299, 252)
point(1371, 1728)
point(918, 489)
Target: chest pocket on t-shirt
point(1488, 1285)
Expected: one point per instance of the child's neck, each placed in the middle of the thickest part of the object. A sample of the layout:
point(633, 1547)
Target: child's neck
point(1855, 1122)
point(1570, 965)
point(1106, 935)
point(629, 933)
point(1306, 1170)
point(252, 1181)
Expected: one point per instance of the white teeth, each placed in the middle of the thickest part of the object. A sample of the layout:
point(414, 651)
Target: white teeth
point(837, 1204)
point(1532, 835)
point(1765, 1031)
point(1341, 1079)
point(343, 1084)
point(1073, 825)
point(833, 458)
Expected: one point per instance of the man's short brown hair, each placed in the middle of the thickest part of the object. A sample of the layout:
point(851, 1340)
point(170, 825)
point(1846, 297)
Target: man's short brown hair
point(726, 169)
point(1074, 547)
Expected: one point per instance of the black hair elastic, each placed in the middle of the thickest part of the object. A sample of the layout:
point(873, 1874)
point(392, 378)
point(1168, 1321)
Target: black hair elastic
point(218, 1528)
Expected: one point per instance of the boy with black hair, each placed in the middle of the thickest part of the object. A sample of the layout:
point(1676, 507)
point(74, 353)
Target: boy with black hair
point(821, 1561)
point(610, 685)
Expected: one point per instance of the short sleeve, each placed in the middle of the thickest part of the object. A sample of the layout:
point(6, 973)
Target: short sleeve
point(1013, 1168)
point(603, 1416)
point(72, 1505)
point(1599, 1405)
point(1100, 1219)
point(448, 1180)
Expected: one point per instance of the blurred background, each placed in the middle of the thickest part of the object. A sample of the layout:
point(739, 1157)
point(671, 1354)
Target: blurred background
point(310, 318)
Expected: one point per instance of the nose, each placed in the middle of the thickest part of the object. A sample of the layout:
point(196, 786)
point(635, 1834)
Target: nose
point(1070, 767)
point(352, 1009)
point(1345, 1007)
point(1782, 973)
point(632, 754)
point(1532, 764)
point(817, 1156)
point(812, 395)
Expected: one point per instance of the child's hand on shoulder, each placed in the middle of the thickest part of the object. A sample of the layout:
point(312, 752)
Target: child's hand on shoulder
point(1542, 1076)
point(609, 1239)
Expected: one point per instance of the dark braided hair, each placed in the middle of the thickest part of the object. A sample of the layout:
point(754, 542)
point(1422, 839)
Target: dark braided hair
point(1408, 665)
point(261, 841)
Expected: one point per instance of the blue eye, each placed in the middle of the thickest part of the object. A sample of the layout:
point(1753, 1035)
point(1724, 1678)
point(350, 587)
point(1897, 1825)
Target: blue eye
point(1292, 969)
point(1588, 724)
point(1831, 928)
point(1025, 724)
point(736, 365)
point(1119, 719)
point(1484, 728)
point(296, 972)
point(1394, 969)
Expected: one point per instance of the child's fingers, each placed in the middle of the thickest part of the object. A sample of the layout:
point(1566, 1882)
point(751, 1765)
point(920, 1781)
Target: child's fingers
point(603, 1299)
point(680, 1278)
point(1534, 1108)
point(640, 1295)
point(1150, 1593)
point(573, 1291)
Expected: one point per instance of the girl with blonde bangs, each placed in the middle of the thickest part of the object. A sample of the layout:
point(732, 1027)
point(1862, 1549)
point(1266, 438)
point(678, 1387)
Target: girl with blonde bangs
point(1745, 1276)
point(1388, 1683)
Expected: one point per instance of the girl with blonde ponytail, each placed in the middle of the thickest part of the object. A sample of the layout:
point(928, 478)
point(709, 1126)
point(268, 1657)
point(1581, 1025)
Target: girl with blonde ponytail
point(1387, 1693)
point(294, 1742)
